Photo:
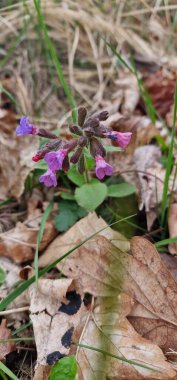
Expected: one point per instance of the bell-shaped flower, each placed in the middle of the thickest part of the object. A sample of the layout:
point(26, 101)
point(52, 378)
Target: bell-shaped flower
point(121, 138)
point(102, 167)
point(24, 128)
point(49, 178)
point(55, 159)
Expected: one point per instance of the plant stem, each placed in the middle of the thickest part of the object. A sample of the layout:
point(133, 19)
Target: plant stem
point(87, 178)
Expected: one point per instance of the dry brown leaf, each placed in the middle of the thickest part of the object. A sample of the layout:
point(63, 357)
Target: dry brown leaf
point(108, 331)
point(172, 225)
point(42, 373)
point(161, 86)
point(109, 262)
point(56, 309)
point(99, 267)
point(15, 157)
point(171, 263)
point(19, 243)
point(159, 332)
point(11, 278)
point(152, 274)
point(57, 322)
point(7, 347)
point(154, 289)
point(89, 263)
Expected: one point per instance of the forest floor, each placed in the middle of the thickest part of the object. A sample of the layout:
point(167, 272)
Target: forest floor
point(88, 269)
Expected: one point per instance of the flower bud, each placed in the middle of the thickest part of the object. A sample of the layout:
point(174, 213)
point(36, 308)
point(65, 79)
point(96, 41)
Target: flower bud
point(82, 141)
point(44, 133)
point(82, 112)
point(53, 145)
point(70, 145)
point(101, 131)
point(75, 157)
point(92, 122)
point(65, 165)
point(89, 132)
point(103, 115)
point(96, 148)
point(76, 130)
point(81, 164)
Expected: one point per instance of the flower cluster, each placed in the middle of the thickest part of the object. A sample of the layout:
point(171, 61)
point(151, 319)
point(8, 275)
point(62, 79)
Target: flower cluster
point(87, 133)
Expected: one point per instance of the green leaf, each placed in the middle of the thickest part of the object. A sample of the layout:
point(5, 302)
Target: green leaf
point(121, 190)
point(42, 165)
point(64, 369)
point(69, 213)
point(110, 148)
point(75, 177)
point(67, 196)
point(91, 195)
point(2, 276)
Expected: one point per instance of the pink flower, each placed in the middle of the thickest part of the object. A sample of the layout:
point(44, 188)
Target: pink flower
point(55, 159)
point(24, 128)
point(49, 178)
point(122, 138)
point(102, 168)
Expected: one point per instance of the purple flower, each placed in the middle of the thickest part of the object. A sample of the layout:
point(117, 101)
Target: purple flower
point(55, 159)
point(102, 168)
point(49, 178)
point(24, 128)
point(122, 138)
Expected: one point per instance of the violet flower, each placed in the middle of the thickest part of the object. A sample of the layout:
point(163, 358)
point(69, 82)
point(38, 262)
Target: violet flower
point(49, 178)
point(102, 168)
point(55, 159)
point(122, 138)
point(24, 128)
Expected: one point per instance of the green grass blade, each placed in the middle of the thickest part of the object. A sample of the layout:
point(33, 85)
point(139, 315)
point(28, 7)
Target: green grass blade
point(145, 95)
point(22, 328)
point(8, 371)
point(165, 242)
point(169, 162)
point(39, 238)
point(115, 356)
point(55, 60)
point(14, 294)
point(118, 55)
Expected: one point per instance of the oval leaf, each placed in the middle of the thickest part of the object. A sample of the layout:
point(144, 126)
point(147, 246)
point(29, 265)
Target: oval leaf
point(121, 190)
point(65, 368)
point(91, 195)
point(75, 177)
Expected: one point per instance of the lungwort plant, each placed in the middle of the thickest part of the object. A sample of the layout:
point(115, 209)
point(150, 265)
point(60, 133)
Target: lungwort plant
point(76, 156)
